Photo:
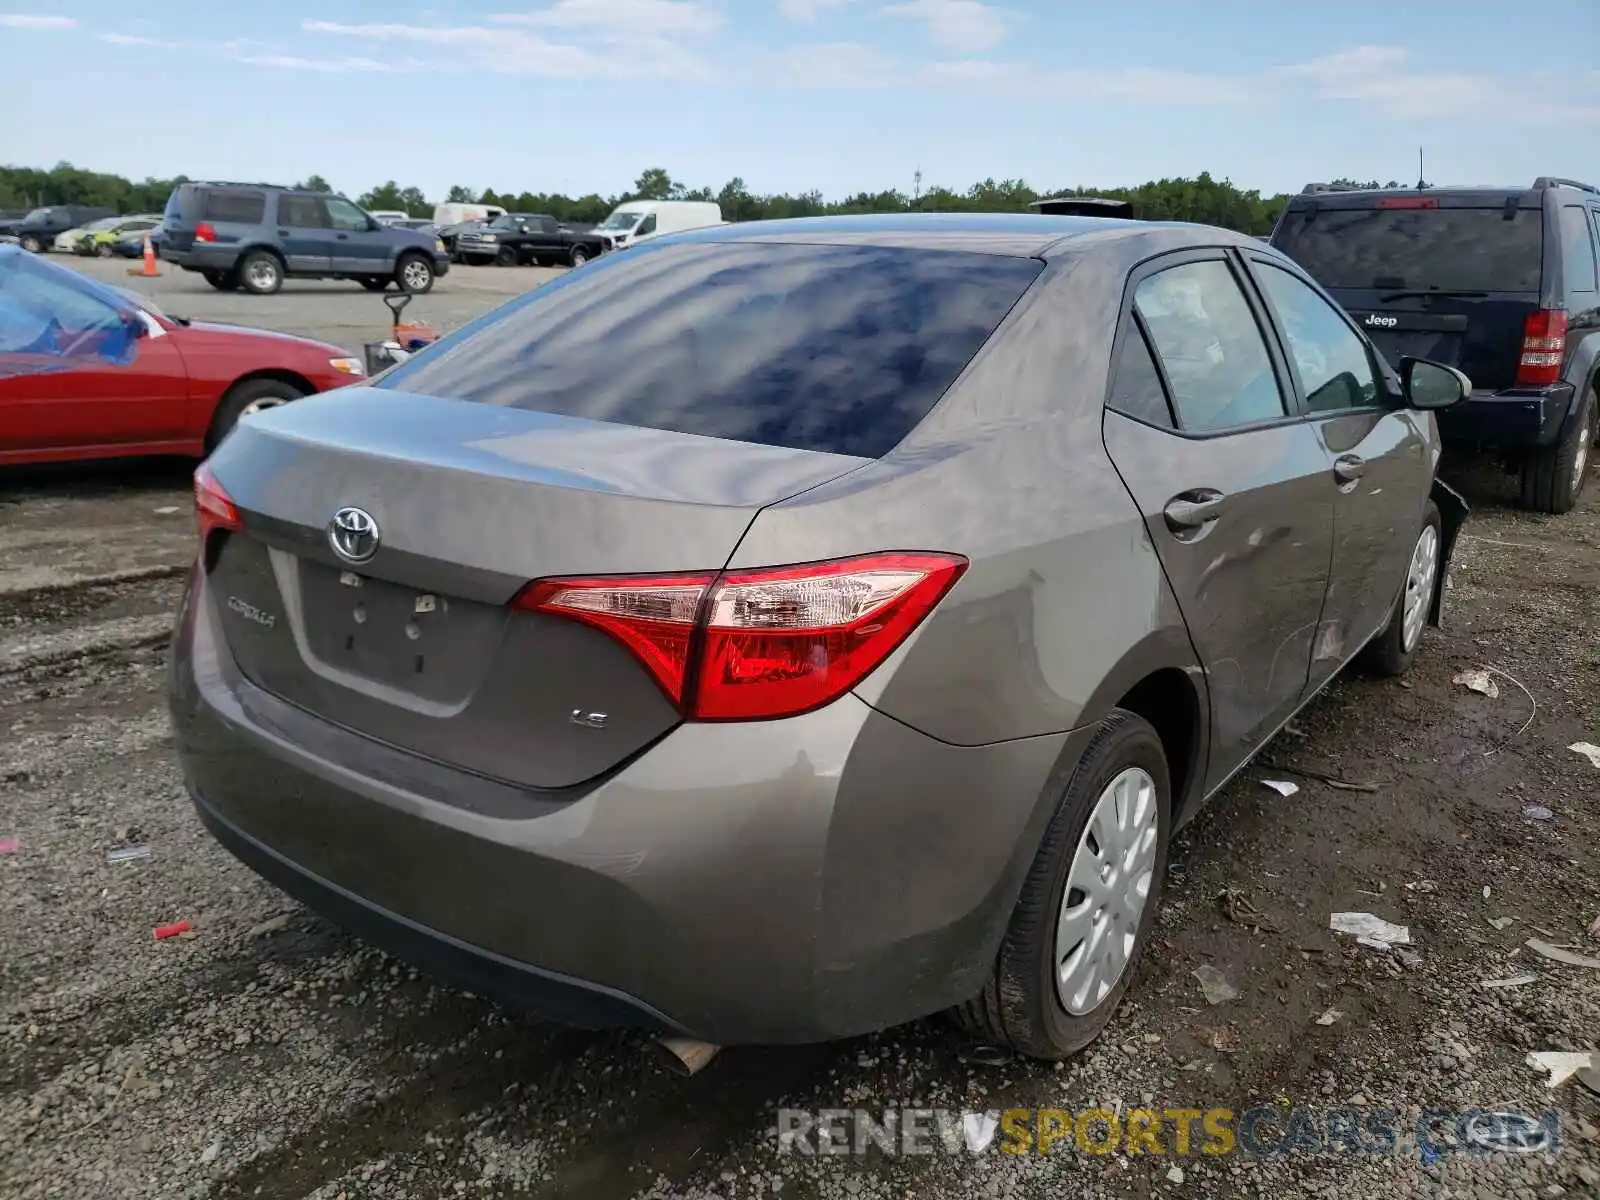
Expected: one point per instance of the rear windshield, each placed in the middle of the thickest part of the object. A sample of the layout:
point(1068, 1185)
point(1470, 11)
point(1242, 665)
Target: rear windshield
point(1453, 249)
point(835, 348)
point(239, 207)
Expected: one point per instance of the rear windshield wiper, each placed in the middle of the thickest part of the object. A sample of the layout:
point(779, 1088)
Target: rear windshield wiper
point(1458, 293)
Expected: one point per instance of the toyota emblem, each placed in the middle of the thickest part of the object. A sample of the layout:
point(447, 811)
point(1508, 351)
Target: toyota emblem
point(353, 534)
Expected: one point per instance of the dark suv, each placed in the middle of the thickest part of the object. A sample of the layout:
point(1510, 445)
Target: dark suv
point(253, 236)
point(38, 229)
point(1500, 282)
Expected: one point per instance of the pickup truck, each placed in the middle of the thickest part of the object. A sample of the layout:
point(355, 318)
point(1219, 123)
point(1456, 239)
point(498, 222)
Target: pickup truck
point(513, 239)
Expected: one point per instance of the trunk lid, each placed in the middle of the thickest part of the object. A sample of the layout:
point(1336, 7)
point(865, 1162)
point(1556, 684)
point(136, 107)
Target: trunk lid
point(1480, 335)
point(416, 646)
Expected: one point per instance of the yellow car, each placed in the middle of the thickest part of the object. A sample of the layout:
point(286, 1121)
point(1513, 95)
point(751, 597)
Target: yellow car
point(69, 241)
point(100, 237)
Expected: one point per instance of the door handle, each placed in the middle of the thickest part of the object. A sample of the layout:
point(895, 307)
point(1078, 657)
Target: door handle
point(1348, 468)
point(283, 233)
point(1193, 510)
point(342, 236)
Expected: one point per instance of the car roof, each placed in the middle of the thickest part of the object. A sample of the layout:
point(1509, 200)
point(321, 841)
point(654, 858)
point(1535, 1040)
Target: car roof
point(1017, 235)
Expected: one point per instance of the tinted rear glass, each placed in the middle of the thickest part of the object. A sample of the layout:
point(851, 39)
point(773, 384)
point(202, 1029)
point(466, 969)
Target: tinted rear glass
point(835, 348)
point(239, 207)
point(1455, 249)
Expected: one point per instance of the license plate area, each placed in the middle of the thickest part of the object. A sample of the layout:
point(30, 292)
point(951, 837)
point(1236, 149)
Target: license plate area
point(430, 645)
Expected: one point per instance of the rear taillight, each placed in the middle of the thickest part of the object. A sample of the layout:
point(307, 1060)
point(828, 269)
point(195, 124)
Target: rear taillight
point(763, 643)
point(1544, 346)
point(1409, 202)
point(213, 507)
point(205, 232)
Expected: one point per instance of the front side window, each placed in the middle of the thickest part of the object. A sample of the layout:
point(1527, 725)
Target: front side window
point(345, 216)
point(842, 349)
point(1335, 369)
point(42, 314)
point(1210, 347)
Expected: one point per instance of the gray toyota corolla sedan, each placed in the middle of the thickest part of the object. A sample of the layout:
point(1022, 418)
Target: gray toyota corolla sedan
point(786, 630)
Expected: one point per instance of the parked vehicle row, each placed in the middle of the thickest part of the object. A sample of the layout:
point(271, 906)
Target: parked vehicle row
point(517, 239)
point(684, 688)
point(37, 230)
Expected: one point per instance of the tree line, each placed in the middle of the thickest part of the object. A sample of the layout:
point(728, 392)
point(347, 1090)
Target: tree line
point(1201, 199)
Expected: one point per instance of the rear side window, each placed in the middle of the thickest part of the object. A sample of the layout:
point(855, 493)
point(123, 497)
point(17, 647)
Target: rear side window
point(1449, 249)
point(1577, 249)
point(1210, 347)
point(236, 206)
point(301, 212)
point(1136, 391)
point(841, 349)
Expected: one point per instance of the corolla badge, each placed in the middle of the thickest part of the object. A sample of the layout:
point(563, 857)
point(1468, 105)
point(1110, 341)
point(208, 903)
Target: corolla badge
point(251, 613)
point(353, 534)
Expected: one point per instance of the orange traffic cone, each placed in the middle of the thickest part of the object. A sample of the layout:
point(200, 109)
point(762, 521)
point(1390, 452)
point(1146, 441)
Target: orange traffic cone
point(148, 271)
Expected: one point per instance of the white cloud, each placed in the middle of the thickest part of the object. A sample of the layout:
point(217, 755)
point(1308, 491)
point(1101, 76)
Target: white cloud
point(968, 25)
point(837, 65)
point(1382, 76)
point(332, 66)
point(638, 54)
point(36, 21)
point(806, 12)
point(623, 18)
point(132, 39)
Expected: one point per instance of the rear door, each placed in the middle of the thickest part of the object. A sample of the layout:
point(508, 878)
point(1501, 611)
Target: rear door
point(1381, 456)
point(1234, 485)
point(304, 235)
point(1449, 277)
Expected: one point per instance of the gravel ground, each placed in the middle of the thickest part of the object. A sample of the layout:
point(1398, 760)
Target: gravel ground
point(270, 1055)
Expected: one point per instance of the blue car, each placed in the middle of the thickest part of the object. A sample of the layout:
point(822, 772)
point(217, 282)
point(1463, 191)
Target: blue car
point(254, 236)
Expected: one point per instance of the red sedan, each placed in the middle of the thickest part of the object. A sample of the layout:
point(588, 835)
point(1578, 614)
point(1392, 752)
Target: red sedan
point(91, 371)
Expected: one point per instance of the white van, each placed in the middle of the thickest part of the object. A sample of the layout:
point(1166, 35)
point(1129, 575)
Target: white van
point(639, 220)
point(387, 216)
point(454, 214)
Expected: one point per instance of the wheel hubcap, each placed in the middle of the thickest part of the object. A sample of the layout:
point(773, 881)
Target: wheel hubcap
point(1108, 886)
point(263, 274)
point(260, 405)
point(1419, 586)
point(1580, 462)
point(416, 275)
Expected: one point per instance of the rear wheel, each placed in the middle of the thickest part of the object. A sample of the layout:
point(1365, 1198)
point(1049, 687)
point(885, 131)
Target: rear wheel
point(223, 281)
point(104, 250)
point(414, 274)
point(246, 397)
point(1088, 903)
point(1394, 649)
point(1553, 479)
point(261, 272)
point(579, 256)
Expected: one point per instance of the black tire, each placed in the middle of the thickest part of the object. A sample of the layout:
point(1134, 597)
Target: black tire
point(32, 244)
point(375, 283)
point(505, 257)
point(414, 274)
point(1387, 653)
point(579, 256)
point(240, 397)
point(1019, 1006)
point(223, 281)
point(1553, 479)
point(104, 250)
point(260, 272)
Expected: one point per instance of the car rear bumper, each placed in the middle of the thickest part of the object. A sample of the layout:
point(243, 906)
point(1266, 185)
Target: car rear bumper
point(766, 882)
point(1510, 418)
point(202, 258)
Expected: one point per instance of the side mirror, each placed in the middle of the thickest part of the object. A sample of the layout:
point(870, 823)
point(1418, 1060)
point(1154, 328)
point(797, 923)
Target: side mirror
point(134, 324)
point(1429, 385)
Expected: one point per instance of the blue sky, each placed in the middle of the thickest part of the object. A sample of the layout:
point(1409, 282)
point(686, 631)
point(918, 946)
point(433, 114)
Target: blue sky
point(838, 95)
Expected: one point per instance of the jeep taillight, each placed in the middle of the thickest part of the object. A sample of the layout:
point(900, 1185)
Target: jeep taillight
point(761, 643)
point(1544, 346)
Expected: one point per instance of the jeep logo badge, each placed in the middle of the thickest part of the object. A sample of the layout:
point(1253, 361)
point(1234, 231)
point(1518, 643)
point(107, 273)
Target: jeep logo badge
point(1379, 321)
